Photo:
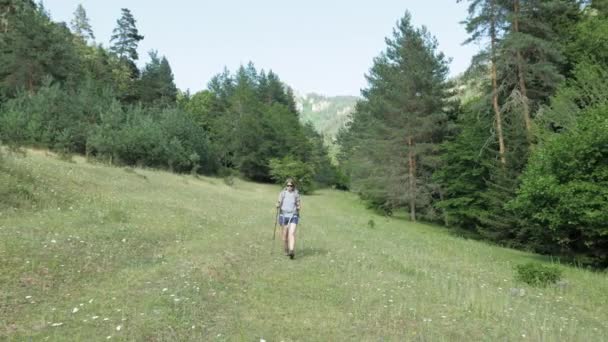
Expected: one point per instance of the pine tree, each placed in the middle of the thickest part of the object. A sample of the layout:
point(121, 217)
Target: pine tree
point(124, 41)
point(156, 84)
point(126, 37)
point(393, 140)
point(487, 18)
point(80, 25)
point(531, 59)
point(33, 48)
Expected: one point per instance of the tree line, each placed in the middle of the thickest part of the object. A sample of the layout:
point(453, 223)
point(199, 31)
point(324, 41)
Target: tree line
point(515, 150)
point(62, 90)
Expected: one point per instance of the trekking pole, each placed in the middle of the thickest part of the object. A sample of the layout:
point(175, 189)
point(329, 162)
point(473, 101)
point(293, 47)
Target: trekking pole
point(300, 232)
point(274, 233)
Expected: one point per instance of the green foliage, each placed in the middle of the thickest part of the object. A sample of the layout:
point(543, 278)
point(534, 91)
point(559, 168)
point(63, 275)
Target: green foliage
point(390, 148)
point(80, 24)
point(288, 167)
point(590, 40)
point(564, 192)
point(538, 275)
point(251, 118)
point(465, 168)
point(53, 117)
point(33, 48)
point(156, 85)
point(200, 107)
point(126, 37)
point(167, 139)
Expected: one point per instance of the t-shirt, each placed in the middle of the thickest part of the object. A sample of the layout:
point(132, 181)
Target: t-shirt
point(290, 201)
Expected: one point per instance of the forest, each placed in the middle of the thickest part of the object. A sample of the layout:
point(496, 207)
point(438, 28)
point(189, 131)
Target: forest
point(514, 151)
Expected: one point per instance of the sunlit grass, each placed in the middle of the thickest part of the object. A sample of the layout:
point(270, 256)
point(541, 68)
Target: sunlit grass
point(134, 254)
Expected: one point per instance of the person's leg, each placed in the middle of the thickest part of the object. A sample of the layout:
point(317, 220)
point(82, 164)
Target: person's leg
point(292, 239)
point(284, 227)
point(285, 230)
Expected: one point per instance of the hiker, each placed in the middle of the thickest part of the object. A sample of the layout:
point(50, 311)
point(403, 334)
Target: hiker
point(289, 206)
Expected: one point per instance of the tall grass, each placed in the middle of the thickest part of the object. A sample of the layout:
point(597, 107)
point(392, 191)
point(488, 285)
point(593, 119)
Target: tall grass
point(93, 253)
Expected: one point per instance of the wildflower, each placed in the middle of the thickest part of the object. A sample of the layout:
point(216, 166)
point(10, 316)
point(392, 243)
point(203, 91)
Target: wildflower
point(118, 328)
point(56, 324)
point(75, 310)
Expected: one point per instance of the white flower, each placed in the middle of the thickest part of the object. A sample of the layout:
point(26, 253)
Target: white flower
point(165, 289)
point(75, 310)
point(56, 324)
point(53, 241)
point(118, 328)
point(28, 297)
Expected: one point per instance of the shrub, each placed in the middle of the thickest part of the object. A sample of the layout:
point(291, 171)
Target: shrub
point(289, 167)
point(563, 196)
point(536, 274)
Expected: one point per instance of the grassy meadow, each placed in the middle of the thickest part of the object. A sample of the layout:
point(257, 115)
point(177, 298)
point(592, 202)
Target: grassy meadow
point(95, 253)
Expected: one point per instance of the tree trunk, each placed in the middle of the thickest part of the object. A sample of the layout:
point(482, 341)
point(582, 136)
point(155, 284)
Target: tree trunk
point(412, 178)
point(497, 114)
point(520, 74)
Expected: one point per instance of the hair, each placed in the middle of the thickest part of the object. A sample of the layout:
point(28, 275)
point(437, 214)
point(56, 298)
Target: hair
point(291, 180)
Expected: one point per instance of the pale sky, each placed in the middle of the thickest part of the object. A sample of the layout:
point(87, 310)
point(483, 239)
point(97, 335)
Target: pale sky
point(322, 46)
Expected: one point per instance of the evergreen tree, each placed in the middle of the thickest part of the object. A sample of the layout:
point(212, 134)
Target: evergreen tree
point(124, 40)
point(487, 19)
point(34, 48)
point(156, 84)
point(393, 140)
point(80, 25)
point(531, 59)
point(126, 37)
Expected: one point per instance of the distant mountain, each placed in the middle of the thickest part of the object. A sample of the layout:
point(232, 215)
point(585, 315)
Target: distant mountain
point(327, 114)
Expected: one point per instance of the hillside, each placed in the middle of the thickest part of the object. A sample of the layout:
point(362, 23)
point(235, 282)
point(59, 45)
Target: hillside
point(327, 114)
point(91, 252)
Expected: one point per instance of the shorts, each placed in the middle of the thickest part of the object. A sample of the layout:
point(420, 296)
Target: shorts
point(283, 220)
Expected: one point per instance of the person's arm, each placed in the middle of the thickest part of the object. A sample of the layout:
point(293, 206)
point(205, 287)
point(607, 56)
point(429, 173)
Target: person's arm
point(280, 199)
point(298, 203)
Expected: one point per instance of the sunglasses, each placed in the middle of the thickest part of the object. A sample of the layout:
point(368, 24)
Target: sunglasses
point(290, 185)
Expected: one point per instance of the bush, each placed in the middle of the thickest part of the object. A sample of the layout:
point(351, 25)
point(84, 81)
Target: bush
point(536, 274)
point(288, 167)
point(563, 197)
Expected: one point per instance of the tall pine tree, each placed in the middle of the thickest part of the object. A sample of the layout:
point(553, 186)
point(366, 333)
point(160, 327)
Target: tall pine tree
point(392, 144)
point(124, 40)
point(80, 25)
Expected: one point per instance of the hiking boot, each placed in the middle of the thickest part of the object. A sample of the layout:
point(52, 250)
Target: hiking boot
point(292, 255)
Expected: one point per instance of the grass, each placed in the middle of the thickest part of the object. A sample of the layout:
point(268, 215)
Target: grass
point(91, 252)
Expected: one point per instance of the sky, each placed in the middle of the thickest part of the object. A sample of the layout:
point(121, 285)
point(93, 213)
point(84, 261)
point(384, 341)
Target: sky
point(321, 46)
